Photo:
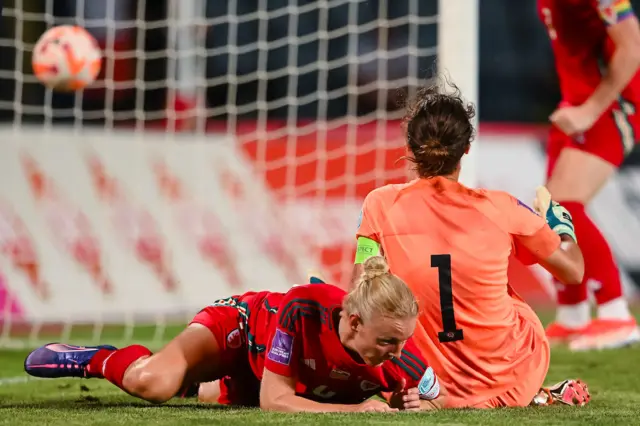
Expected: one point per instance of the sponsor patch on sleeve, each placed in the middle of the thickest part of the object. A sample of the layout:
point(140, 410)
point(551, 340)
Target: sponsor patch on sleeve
point(429, 386)
point(281, 348)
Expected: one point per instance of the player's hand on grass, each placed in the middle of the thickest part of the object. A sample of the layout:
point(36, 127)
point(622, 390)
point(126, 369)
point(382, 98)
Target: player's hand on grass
point(573, 120)
point(374, 406)
point(405, 399)
point(558, 218)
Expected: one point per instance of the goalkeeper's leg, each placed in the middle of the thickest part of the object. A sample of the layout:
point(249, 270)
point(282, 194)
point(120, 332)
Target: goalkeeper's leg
point(200, 353)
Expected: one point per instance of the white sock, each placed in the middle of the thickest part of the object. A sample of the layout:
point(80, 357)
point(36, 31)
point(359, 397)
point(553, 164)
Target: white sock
point(574, 316)
point(617, 309)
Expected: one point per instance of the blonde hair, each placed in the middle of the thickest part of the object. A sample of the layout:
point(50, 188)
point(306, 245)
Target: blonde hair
point(380, 293)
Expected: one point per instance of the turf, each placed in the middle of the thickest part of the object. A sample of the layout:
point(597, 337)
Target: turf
point(611, 375)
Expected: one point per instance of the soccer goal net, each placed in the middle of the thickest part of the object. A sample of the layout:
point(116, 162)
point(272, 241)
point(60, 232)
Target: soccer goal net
point(226, 147)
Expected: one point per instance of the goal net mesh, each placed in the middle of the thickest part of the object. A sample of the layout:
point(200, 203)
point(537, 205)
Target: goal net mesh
point(226, 147)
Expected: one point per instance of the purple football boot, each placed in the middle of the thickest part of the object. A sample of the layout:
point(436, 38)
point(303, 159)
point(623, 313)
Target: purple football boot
point(60, 360)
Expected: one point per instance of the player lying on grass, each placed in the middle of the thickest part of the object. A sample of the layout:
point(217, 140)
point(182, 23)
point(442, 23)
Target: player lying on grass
point(451, 245)
point(314, 349)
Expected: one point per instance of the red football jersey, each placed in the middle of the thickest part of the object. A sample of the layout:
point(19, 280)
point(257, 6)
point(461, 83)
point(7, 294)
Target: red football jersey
point(303, 342)
point(581, 46)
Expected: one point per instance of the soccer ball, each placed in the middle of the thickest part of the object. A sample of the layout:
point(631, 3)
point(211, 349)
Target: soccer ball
point(66, 58)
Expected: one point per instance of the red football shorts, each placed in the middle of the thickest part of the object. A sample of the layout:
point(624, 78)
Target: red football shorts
point(239, 386)
point(611, 138)
point(224, 324)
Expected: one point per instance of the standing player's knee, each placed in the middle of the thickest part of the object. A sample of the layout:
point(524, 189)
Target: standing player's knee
point(578, 176)
point(567, 190)
point(151, 384)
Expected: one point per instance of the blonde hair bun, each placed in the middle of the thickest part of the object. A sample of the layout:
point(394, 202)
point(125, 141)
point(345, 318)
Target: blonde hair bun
point(375, 266)
point(379, 293)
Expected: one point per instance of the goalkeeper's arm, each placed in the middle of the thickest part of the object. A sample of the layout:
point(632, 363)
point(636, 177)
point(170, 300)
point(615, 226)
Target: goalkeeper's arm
point(566, 262)
point(365, 249)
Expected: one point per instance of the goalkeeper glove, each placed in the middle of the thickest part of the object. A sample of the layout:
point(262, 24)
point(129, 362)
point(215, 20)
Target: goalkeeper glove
point(558, 218)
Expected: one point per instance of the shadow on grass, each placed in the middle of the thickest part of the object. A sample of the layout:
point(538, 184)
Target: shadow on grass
point(91, 403)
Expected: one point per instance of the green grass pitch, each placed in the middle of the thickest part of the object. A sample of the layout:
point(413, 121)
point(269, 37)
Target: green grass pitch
point(613, 378)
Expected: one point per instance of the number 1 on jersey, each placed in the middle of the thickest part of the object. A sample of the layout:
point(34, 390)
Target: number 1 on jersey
point(449, 333)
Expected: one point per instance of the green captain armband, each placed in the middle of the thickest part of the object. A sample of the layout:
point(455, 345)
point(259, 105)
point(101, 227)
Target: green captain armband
point(365, 249)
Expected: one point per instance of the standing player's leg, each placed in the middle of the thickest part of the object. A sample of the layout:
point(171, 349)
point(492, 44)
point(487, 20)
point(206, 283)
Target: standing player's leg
point(198, 354)
point(577, 172)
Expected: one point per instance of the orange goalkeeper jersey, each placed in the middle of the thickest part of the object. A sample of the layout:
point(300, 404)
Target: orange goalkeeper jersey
point(451, 245)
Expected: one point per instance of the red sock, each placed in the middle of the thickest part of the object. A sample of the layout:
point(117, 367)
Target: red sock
point(94, 369)
point(113, 364)
point(600, 265)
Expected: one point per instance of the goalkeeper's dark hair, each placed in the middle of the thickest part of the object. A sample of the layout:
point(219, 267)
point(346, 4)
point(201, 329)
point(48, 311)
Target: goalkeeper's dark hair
point(438, 129)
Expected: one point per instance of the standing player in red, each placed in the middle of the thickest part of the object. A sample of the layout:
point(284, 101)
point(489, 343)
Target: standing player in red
point(314, 349)
point(596, 44)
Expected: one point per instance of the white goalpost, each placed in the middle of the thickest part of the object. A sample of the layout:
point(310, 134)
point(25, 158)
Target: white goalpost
point(458, 56)
point(278, 117)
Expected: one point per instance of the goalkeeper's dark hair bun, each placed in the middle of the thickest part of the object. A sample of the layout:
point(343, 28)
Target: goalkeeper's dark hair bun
point(439, 129)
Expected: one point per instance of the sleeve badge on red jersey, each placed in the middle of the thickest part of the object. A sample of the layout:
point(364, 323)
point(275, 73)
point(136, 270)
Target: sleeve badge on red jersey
point(359, 220)
point(339, 374)
point(281, 348)
point(368, 386)
point(429, 386)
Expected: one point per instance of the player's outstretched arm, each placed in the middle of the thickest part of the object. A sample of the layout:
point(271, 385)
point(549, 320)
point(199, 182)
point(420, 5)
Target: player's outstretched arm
point(278, 393)
point(545, 235)
point(565, 262)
